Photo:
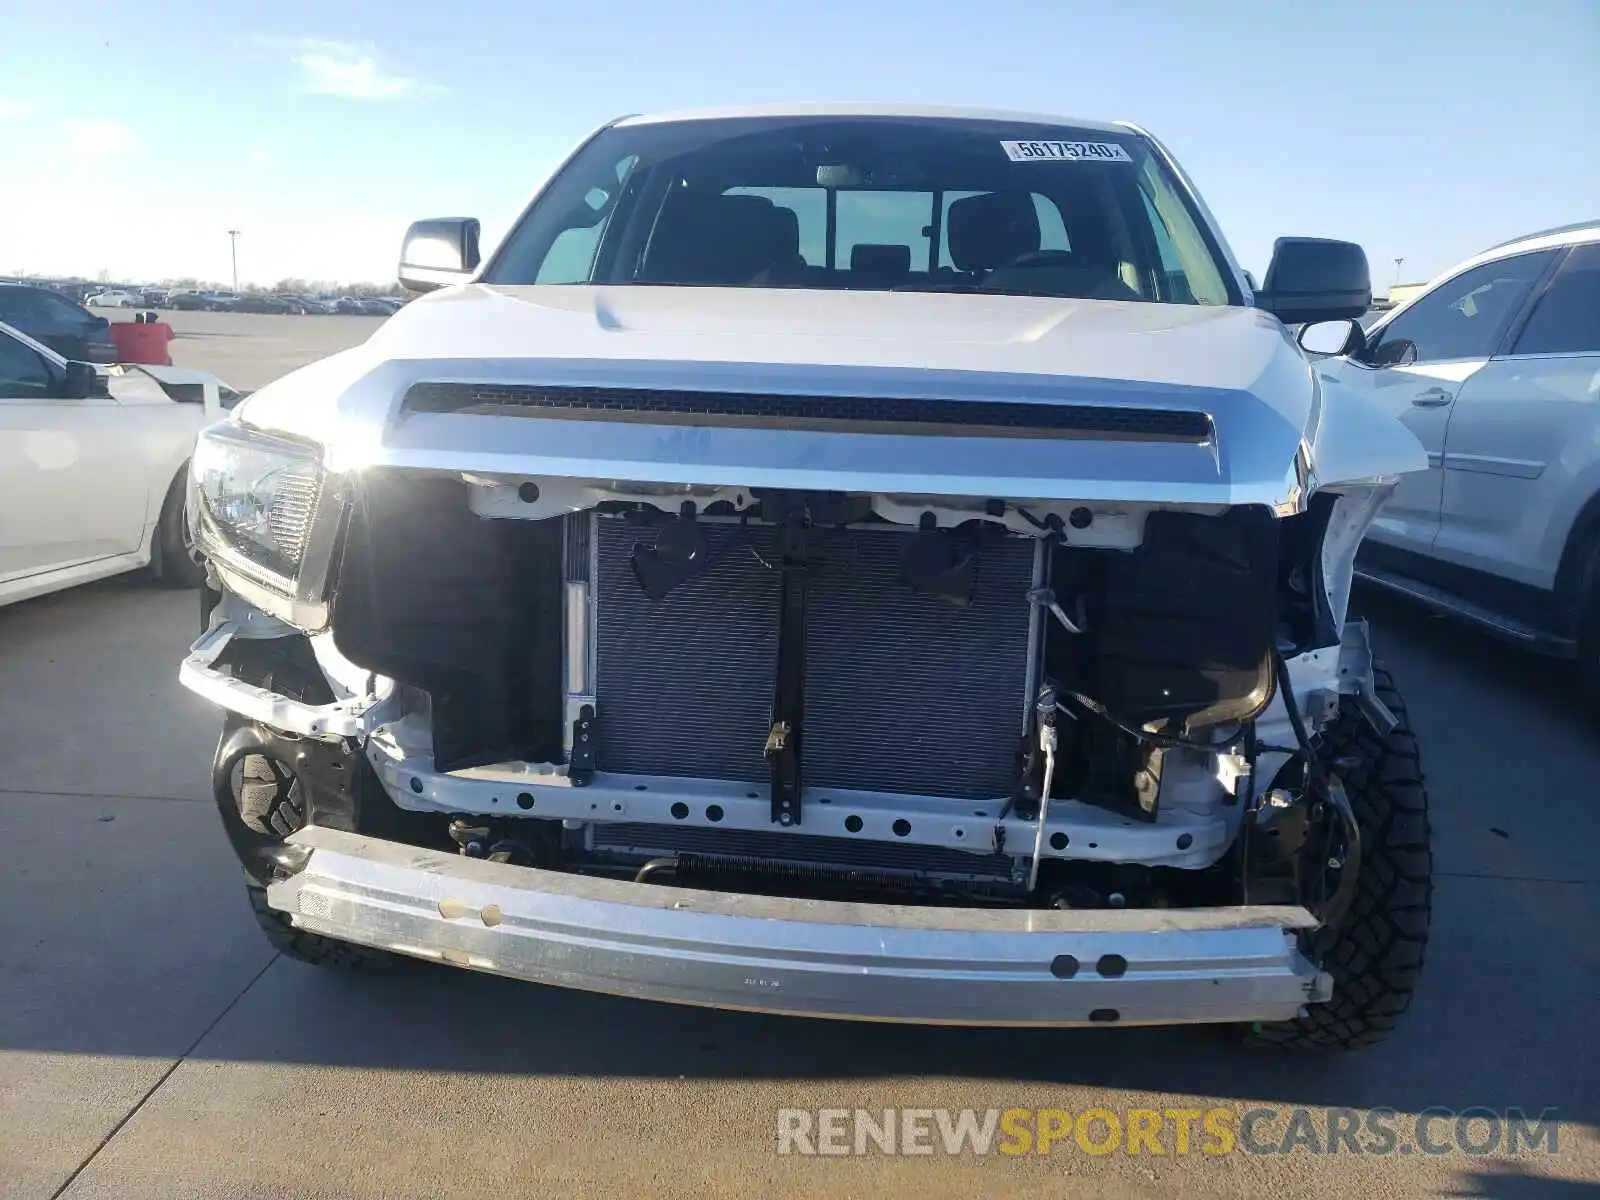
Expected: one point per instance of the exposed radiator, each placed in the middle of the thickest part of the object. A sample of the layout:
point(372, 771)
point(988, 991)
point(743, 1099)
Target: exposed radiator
point(904, 692)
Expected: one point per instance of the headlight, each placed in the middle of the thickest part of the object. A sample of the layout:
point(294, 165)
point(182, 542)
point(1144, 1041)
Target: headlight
point(266, 511)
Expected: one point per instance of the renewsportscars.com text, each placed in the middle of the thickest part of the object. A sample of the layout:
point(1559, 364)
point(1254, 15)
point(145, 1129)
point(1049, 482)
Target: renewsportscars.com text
point(1163, 1131)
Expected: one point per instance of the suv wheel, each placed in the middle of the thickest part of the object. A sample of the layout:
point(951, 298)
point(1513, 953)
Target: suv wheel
point(1589, 638)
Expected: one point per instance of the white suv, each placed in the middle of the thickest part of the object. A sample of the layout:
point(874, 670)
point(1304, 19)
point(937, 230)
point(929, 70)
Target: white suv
point(1496, 369)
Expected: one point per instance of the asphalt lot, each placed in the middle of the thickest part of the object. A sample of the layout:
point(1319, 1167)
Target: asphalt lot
point(152, 1045)
point(247, 350)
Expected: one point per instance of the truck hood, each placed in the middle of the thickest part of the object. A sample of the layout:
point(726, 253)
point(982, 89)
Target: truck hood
point(1236, 365)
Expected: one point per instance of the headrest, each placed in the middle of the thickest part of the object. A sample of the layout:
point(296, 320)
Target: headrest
point(702, 238)
point(785, 233)
point(992, 229)
point(880, 264)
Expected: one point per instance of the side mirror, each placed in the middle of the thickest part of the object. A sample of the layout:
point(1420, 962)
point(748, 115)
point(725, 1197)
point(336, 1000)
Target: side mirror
point(1313, 279)
point(1331, 338)
point(438, 253)
point(83, 381)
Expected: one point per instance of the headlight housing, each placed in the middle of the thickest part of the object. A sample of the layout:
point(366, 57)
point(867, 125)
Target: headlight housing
point(267, 513)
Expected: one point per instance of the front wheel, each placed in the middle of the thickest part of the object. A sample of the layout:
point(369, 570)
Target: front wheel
point(1589, 637)
point(307, 947)
point(1375, 952)
point(174, 559)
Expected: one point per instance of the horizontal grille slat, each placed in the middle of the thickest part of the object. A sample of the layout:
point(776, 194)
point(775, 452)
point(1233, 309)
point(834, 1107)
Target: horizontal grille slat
point(855, 414)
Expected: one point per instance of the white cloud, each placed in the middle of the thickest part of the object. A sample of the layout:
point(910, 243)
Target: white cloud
point(100, 138)
point(340, 69)
point(258, 158)
point(12, 107)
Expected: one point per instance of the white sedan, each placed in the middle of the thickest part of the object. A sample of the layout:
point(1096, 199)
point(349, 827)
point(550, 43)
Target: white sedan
point(92, 468)
point(114, 299)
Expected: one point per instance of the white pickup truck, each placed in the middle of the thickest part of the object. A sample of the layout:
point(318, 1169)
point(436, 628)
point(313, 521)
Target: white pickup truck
point(860, 562)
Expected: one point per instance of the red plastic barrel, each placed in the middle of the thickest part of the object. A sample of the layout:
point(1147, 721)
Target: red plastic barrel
point(142, 343)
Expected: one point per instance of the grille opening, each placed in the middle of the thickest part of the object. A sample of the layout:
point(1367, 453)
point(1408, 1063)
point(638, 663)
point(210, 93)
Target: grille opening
point(853, 414)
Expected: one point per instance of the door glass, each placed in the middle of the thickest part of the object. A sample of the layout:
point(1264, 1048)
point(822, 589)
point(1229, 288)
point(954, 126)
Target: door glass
point(1566, 319)
point(1463, 317)
point(22, 372)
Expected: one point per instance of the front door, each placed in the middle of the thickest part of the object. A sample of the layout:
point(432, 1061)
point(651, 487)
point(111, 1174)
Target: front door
point(69, 490)
point(1520, 449)
point(1416, 365)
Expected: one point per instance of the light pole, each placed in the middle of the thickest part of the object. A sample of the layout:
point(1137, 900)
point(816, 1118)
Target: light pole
point(233, 248)
point(1397, 263)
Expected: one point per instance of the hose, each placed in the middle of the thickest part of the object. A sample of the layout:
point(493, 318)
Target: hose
point(654, 865)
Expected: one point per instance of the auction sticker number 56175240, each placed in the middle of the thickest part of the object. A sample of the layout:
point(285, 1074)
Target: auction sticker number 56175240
point(1065, 152)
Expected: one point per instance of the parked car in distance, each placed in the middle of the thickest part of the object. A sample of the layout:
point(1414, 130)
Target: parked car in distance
point(108, 496)
point(261, 304)
point(67, 328)
point(1493, 367)
point(114, 299)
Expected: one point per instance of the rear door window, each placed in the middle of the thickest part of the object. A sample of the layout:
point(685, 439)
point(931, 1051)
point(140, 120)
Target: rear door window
point(1566, 319)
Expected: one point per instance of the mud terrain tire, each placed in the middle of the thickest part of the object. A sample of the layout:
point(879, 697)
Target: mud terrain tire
point(310, 947)
point(1375, 955)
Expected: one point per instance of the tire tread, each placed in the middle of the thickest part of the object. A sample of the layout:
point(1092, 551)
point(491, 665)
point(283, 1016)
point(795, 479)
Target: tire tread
point(1376, 955)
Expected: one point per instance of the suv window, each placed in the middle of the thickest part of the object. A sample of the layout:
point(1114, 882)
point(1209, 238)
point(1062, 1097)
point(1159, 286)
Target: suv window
point(1463, 317)
point(1566, 319)
point(23, 372)
point(17, 303)
point(754, 201)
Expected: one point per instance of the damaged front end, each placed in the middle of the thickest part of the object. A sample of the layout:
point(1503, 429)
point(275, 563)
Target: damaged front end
point(844, 753)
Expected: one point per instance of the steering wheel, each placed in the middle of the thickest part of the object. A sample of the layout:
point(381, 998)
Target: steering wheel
point(1040, 258)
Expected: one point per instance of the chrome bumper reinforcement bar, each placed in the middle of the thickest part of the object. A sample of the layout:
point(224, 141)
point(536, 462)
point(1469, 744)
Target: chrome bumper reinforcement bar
point(805, 957)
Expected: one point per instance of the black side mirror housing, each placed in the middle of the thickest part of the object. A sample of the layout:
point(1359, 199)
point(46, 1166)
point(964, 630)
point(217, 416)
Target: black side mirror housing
point(83, 381)
point(439, 252)
point(1315, 279)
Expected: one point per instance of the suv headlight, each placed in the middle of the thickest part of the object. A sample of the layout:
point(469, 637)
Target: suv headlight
point(266, 512)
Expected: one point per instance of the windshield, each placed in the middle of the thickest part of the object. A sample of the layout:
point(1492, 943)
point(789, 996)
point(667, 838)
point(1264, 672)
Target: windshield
point(903, 204)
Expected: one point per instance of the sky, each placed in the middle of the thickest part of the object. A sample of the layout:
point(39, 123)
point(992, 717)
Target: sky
point(132, 141)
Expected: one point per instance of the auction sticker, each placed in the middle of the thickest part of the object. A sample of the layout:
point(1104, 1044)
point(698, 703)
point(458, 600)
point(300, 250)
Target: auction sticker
point(1065, 152)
